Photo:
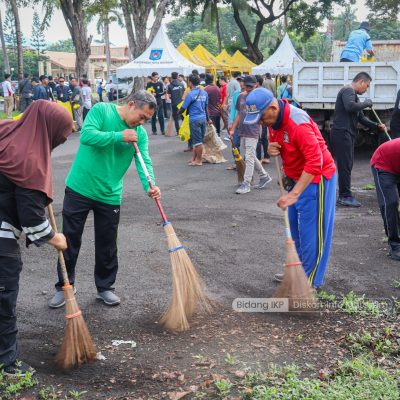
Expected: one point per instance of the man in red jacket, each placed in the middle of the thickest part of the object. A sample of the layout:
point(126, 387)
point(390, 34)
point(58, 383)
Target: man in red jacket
point(385, 165)
point(309, 165)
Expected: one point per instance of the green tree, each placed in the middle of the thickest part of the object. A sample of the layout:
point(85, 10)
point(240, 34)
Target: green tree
point(3, 47)
point(384, 9)
point(62, 45)
point(382, 29)
point(344, 23)
point(209, 14)
point(107, 12)
point(179, 27)
point(204, 37)
point(317, 48)
point(38, 42)
point(268, 11)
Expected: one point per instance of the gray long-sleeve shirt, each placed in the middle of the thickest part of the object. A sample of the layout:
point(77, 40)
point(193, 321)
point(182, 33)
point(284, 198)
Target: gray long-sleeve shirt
point(348, 112)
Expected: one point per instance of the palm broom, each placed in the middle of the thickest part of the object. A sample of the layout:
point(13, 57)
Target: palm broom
point(188, 288)
point(239, 162)
point(169, 132)
point(77, 347)
point(380, 122)
point(295, 285)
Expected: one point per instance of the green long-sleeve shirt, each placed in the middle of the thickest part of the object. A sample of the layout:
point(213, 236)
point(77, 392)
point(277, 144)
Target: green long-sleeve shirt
point(103, 157)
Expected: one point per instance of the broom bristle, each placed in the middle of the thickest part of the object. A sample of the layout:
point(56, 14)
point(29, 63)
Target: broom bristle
point(240, 168)
point(295, 285)
point(77, 347)
point(187, 290)
point(170, 128)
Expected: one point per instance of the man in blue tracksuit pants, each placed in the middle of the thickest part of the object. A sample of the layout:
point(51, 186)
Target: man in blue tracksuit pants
point(307, 162)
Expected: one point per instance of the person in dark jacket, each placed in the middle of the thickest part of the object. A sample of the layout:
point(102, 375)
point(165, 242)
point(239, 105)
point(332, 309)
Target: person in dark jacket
point(25, 191)
point(63, 92)
point(348, 113)
point(25, 90)
point(395, 121)
point(156, 88)
point(43, 91)
point(175, 91)
point(52, 85)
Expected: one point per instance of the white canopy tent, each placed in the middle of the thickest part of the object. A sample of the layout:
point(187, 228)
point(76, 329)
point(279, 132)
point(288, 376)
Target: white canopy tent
point(281, 62)
point(162, 57)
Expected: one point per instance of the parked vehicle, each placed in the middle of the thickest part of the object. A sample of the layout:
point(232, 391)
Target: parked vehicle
point(316, 86)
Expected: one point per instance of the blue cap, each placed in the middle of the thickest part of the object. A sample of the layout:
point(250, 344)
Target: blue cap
point(257, 101)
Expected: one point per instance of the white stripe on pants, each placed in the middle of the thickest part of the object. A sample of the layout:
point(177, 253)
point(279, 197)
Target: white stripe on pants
point(249, 146)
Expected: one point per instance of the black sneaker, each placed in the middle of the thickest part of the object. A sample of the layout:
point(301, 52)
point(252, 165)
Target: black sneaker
point(395, 255)
point(18, 368)
point(349, 201)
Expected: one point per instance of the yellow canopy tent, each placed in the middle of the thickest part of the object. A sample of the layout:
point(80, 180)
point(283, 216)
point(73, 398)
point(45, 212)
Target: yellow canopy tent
point(227, 59)
point(202, 53)
point(243, 63)
point(187, 53)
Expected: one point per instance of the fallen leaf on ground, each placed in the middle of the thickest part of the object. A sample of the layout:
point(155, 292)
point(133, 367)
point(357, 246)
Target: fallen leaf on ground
point(177, 395)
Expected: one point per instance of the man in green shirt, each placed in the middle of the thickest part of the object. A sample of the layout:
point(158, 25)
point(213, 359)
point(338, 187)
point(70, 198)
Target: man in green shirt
point(95, 182)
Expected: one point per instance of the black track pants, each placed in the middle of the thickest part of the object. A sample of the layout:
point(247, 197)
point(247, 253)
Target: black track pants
point(106, 219)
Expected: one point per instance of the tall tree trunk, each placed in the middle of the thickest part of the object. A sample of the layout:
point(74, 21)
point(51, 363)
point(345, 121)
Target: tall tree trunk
point(138, 11)
point(3, 47)
point(254, 52)
point(218, 26)
point(285, 17)
point(18, 33)
point(129, 27)
point(75, 19)
point(107, 43)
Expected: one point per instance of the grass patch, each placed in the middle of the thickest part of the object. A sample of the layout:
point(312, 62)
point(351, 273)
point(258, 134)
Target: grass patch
point(11, 386)
point(386, 344)
point(369, 186)
point(3, 115)
point(359, 379)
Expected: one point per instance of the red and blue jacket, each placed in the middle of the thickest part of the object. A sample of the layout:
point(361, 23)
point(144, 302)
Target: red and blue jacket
point(302, 146)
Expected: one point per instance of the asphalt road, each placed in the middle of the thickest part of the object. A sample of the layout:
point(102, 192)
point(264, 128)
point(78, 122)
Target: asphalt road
point(236, 242)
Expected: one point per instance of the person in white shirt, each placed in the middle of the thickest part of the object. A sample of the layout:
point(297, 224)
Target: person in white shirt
point(181, 78)
point(8, 94)
point(86, 97)
point(110, 90)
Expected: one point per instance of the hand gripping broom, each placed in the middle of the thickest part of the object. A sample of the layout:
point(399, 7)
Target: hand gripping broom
point(77, 347)
point(295, 285)
point(188, 289)
point(380, 122)
point(239, 162)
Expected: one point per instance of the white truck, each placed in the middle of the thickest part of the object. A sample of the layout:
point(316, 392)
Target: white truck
point(316, 85)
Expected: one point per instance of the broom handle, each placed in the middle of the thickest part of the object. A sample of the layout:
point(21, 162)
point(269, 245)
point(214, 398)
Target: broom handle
point(60, 253)
point(226, 124)
point(285, 211)
point(379, 120)
point(146, 172)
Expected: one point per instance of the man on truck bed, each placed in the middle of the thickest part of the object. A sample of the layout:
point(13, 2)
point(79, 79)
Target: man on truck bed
point(348, 113)
point(359, 40)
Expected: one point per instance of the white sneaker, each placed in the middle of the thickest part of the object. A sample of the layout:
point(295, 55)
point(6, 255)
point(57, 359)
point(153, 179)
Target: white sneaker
point(264, 180)
point(243, 188)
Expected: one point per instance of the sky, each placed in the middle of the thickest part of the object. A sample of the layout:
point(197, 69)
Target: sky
point(58, 29)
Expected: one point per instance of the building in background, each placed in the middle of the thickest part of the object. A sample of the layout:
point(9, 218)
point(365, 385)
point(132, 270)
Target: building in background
point(61, 63)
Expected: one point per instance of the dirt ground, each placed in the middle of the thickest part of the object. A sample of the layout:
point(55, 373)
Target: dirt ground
point(237, 244)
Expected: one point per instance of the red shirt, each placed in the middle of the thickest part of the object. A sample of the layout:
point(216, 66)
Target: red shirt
point(223, 92)
point(302, 146)
point(387, 157)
